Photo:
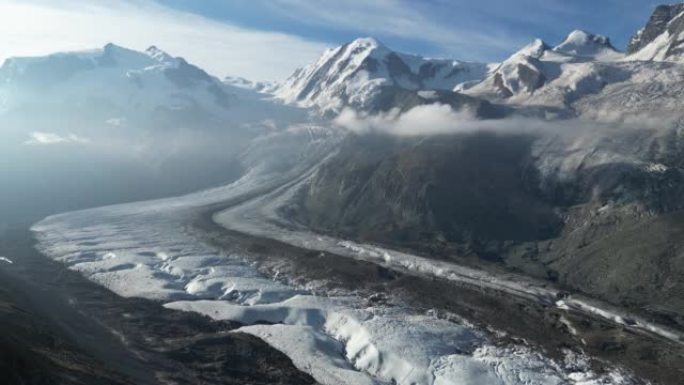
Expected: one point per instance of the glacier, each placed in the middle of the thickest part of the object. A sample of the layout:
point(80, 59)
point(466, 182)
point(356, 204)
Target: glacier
point(150, 250)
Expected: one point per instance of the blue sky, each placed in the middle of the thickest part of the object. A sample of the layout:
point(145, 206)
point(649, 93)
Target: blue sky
point(468, 29)
point(269, 39)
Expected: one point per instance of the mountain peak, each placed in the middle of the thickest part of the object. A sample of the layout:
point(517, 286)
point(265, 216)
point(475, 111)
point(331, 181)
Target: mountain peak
point(158, 54)
point(366, 42)
point(658, 38)
point(580, 36)
point(365, 46)
point(535, 49)
point(354, 74)
point(583, 43)
point(112, 48)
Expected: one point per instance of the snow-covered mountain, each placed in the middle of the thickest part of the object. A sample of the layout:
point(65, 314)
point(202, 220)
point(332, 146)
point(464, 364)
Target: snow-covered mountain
point(595, 208)
point(663, 36)
point(364, 74)
point(118, 85)
point(523, 72)
point(574, 67)
point(355, 73)
point(582, 44)
point(113, 75)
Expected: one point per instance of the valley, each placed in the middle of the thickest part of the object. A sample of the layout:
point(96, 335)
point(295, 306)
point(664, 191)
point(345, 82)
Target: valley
point(376, 218)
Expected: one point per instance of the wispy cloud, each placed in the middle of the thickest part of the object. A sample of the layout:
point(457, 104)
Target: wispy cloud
point(47, 138)
point(442, 119)
point(37, 27)
point(481, 30)
point(268, 39)
point(399, 19)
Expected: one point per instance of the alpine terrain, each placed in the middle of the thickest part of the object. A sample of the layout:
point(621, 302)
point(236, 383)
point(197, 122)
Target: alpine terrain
point(376, 218)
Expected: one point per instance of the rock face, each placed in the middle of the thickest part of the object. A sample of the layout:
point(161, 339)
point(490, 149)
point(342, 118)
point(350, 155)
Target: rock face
point(597, 208)
point(661, 38)
point(599, 214)
point(473, 189)
point(352, 75)
point(665, 18)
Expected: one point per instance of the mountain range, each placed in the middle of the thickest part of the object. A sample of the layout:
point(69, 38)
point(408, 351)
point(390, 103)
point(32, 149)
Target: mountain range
point(115, 86)
point(565, 162)
point(360, 74)
point(586, 194)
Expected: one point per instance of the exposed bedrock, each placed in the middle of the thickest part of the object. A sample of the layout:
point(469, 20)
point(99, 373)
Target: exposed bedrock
point(603, 218)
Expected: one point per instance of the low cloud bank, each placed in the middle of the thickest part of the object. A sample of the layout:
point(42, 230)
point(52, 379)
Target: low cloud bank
point(429, 119)
point(434, 119)
point(440, 119)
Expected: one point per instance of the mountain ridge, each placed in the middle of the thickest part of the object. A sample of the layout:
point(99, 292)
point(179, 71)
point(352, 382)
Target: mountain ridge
point(590, 200)
point(580, 187)
point(665, 21)
point(350, 74)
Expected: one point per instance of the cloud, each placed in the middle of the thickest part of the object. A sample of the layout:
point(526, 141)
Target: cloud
point(439, 119)
point(429, 119)
point(47, 138)
point(487, 30)
point(407, 20)
point(39, 27)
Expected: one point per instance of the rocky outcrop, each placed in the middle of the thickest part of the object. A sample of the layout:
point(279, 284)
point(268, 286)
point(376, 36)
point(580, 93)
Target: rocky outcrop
point(661, 21)
point(661, 39)
point(600, 213)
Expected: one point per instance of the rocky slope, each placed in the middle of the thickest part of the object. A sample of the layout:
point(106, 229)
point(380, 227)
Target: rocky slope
point(58, 328)
point(600, 215)
point(592, 203)
point(661, 38)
